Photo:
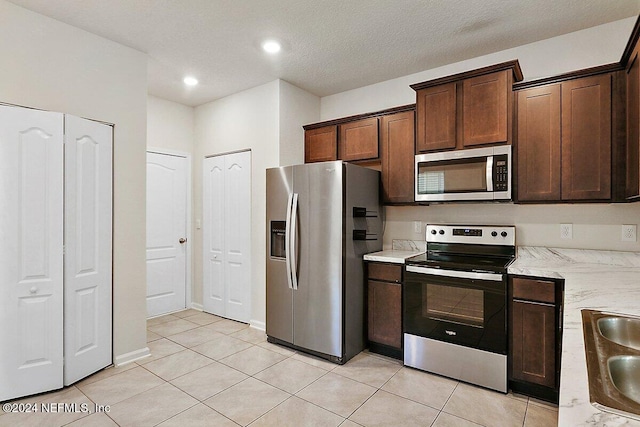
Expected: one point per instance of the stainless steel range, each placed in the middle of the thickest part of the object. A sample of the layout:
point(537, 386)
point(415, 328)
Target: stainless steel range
point(455, 304)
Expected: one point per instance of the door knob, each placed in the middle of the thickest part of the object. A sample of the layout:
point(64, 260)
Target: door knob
point(182, 240)
point(33, 290)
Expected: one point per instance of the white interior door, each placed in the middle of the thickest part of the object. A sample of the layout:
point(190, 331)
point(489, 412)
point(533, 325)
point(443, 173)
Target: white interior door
point(31, 232)
point(227, 236)
point(88, 254)
point(166, 233)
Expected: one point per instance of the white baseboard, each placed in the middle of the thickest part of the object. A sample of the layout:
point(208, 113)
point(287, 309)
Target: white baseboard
point(258, 325)
point(123, 359)
point(196, 306)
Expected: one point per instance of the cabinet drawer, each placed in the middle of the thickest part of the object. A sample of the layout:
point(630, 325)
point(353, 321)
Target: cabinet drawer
point(385, 272)
point(534, 290)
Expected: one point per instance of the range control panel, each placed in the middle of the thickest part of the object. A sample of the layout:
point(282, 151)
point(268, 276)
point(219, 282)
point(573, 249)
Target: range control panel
point(476, 234)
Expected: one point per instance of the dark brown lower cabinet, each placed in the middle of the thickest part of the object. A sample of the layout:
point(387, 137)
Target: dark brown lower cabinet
point(535, 337)
point(384, 308)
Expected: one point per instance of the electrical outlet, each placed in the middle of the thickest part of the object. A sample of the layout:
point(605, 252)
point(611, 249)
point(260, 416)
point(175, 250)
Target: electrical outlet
point(566, 231)
point(629, 233)
point(417, 227)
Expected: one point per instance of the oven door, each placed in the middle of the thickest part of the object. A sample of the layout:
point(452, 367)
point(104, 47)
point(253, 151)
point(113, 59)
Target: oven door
point(458, 307)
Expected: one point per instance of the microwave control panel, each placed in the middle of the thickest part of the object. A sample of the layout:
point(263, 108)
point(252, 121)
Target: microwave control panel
point(500, 173)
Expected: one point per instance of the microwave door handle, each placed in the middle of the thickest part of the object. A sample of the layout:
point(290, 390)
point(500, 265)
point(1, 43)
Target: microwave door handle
point(489, 173)
point(294, 249)
point(287, 242)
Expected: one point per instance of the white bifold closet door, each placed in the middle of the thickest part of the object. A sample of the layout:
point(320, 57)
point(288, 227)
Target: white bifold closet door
point(52, 196)
point(87, 236)
point(226, 237)
point(31, 236)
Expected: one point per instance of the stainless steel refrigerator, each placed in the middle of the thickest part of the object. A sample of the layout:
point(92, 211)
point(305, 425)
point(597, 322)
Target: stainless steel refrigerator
point(321, 219)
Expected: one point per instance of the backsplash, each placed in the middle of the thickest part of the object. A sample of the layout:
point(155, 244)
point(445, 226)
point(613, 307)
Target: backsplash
point(408, 245)
point(595, 226)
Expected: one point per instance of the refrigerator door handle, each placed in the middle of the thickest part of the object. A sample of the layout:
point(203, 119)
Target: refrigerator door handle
point(293, 251)
point(287, 242)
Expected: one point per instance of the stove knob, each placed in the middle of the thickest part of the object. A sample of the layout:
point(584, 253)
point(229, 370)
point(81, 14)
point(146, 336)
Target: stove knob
point(494, 233)
point(433, 231)
point(503, 234)
point(441, 231)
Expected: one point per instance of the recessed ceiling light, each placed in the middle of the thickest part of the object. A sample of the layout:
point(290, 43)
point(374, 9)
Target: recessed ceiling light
point(271, 46)
point(190, 81)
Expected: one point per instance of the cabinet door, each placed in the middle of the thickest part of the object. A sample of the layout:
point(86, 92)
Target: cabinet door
point(538, 147)
point(385, 313)
point(359, 140)
point(633, 126)
point(485, 109)
point(321, 144)
point(586, 138)
point(533, 331)
point(397, 145)
point(436, 118)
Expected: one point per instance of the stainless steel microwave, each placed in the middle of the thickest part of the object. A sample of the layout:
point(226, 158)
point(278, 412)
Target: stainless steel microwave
point(475, 174)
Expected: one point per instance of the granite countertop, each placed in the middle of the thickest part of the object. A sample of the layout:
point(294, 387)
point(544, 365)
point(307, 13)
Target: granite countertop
point(391, 255)
point(600, 280)
point(399, 252)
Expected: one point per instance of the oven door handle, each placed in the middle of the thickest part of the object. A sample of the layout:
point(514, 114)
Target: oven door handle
point(495, 277)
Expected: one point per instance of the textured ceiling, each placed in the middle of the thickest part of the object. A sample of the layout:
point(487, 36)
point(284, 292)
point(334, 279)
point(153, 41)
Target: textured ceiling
point(329, 46)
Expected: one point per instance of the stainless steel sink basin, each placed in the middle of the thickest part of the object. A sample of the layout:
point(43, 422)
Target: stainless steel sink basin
point(625, 374)
point(612, 348)
point(621, 330)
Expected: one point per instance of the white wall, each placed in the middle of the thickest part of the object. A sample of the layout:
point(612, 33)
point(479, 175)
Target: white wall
point(596, 226)
point(245, 120)
point(171, 129)
point(53, 66)
point(297, 108)
point(170, 125)
point(582, 49)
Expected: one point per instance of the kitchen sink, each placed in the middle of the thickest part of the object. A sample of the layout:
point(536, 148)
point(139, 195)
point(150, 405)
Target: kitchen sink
point(625, 374)
point(612, 348)
point(621, 330)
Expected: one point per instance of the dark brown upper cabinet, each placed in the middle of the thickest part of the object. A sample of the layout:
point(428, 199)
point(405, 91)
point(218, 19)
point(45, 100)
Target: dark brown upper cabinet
point(397, 136)
point(359, 140)
point(632, 72)
point(586, 138)
point(383, 140)
point(436, 122)
point(564, 146)
point(321, 144)
point(467, 109)
point(485, 109)
point(538, 148)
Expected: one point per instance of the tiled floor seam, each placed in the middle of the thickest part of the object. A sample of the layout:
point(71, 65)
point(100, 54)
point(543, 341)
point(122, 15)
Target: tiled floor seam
point(281, 389)
point(291, 396)
point(92, 401)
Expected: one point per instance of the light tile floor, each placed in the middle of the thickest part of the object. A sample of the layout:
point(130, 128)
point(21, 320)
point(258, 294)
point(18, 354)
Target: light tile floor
point(209, 371)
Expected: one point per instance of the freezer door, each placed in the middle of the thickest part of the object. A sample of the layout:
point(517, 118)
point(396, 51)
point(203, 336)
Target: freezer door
point(279, 293)
point(318, 299)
